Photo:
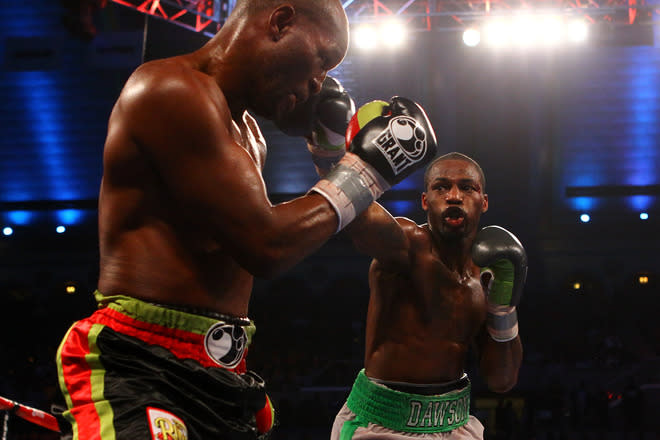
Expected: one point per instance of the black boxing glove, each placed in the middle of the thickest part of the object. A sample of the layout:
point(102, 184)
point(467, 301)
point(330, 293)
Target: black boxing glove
point(500, 254)
point(396, 138)
point(387, 142)
point(302, 119)
point(332, 112)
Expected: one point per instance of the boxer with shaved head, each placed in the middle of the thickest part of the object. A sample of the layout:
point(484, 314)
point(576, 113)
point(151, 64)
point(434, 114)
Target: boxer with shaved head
point(185, 224)
point(438, 290)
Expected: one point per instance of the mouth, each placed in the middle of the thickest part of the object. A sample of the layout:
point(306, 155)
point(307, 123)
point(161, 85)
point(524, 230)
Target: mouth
point(454, 217)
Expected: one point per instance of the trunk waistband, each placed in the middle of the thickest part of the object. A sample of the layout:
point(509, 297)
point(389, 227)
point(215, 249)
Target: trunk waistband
point(410, 412)
point(212, 341)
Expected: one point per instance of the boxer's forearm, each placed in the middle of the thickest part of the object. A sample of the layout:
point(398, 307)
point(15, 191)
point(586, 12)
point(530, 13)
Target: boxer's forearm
point(500, 362)
point(290, 232)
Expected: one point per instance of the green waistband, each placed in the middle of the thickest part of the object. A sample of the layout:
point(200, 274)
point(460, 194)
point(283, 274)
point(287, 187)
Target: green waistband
point(414, 413)
point(161, 315)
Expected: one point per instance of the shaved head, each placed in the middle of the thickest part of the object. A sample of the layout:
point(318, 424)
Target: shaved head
point(454, 156)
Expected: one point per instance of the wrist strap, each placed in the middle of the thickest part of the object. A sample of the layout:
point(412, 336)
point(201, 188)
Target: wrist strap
point(351, 187)
point(502, 322)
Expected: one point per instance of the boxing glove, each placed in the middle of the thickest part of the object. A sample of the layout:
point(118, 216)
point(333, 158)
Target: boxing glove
point(300, 121)
point(387, 141)
point(503, 263)
point(396, 138)
point(331, 112)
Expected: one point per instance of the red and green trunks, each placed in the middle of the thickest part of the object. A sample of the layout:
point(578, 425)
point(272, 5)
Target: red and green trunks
point(134, 370)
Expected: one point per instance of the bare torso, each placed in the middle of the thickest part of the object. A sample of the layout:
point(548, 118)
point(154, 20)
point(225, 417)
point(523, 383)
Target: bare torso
point(149, 248)
point(422, 321)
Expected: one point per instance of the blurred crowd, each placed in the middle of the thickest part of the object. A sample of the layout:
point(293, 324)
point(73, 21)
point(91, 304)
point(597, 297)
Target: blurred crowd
point(591, 367)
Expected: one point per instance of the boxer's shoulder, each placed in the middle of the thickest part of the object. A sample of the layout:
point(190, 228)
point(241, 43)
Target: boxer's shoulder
point(418, 235)
point(171, 95)
point(172, 81)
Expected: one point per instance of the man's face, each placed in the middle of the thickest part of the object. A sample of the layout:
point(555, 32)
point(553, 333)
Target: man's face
point(454, 199)
point(297, 65)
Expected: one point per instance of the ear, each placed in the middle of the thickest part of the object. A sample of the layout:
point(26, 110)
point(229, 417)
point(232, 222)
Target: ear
point(484, 206)
point(280, 20)
point(425, 205)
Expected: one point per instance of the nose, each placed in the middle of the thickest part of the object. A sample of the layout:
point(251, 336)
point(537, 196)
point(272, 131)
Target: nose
point(454, 196)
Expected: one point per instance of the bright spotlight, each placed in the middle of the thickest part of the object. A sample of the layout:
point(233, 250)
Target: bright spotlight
point(393, 33)
point(644, 215)
point(549, 30)
point(60, 229)
point(585, 218)
point(7, 231)
point(496, 33)
point(577, 285)
point(523, 31)
point(577, 31)
point(366, 37)
point(471, 37)
point(642, 279)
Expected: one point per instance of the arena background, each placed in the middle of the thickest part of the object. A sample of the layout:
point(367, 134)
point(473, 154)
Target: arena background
point(559, 133)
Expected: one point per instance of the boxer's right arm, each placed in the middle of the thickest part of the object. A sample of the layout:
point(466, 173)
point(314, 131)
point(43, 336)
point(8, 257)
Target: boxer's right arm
point(379, 235)
point(212, 180)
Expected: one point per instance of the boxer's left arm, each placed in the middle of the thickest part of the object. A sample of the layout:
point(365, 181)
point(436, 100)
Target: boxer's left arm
point(379, 235)
point(503, 263)
point(374, 232)
point(499, 362)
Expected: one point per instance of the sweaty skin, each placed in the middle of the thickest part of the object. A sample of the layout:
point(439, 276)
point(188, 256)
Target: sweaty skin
point(427, 306)
point(184, 216)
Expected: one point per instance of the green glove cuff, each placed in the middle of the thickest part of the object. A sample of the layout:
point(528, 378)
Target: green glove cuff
point(500, 288)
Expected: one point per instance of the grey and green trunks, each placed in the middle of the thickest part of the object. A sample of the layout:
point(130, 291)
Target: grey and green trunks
point(406, 412)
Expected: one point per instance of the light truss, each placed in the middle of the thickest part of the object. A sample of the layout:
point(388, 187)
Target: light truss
point(449, 14)
point(207, 16)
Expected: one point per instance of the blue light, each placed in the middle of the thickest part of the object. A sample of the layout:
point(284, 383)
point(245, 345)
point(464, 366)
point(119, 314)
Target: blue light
point(7, 231)
point(20, 217)
point(403, 208)
point(60, 229)
point(644, 215)
point(584, 203)
point(40, 93)
point(640, 202)
point(69, 216)
point(585, 218)
point(641, 158)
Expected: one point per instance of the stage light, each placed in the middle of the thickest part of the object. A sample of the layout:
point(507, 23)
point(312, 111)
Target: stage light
point(60, 229)
point(577, 31)
point(644, 215)
point(69, 216)
point(523, 31)
point(366, 37)
point(22, 218)
point(642, 279)
point(496, 33)
point(576, 285)
point(471, 37)
point(7, 231)
point(549, 30)
point(393, 33)
point(585, 218)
